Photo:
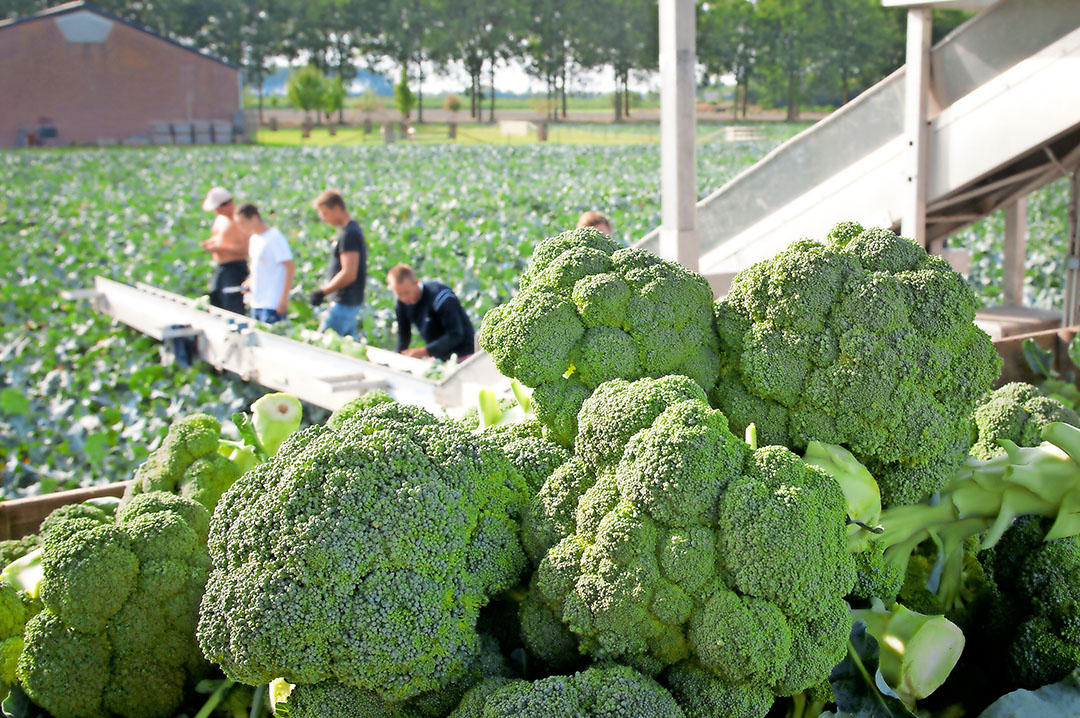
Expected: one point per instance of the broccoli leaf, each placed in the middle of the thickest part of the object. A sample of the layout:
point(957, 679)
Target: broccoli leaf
point(246, 429)
point(18, 705)
point(1040, 360)
point(854, 681)
point(1074, 350)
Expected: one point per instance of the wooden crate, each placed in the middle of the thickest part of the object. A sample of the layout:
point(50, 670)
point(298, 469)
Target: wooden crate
point(1015, 367)
point(20, 517)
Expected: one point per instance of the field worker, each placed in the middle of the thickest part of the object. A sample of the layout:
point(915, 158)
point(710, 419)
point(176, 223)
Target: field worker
point(272, 267)
point(228, 247)
point(435, 310)
point(592, 218)
point(347, 271)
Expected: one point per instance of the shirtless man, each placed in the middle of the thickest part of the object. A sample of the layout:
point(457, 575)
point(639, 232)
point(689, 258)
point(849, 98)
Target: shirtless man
point(228, 247)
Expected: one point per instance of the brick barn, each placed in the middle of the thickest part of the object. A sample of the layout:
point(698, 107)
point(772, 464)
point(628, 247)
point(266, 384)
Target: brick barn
point(75, 74)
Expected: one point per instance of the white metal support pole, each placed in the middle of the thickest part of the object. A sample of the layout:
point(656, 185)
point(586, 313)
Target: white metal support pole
point(916, 103)
point(678, 107)
point(1072, 259)
point(1015, 252)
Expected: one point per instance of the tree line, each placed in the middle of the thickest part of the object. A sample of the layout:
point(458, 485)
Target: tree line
point(782, 53)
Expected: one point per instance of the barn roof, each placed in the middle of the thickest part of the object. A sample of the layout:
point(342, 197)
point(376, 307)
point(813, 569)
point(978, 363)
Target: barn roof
point(81, 5)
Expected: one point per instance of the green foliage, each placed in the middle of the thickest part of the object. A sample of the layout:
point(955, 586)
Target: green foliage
point(597, 692)
point(404, 99)
point(589, 312)
point(116, 634)
point(391, 524)
point(307, 88)
point(864, 341)
point(679, 545)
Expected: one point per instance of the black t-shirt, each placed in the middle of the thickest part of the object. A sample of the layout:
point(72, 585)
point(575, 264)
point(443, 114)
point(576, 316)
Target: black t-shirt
point(349, 239)
point(441, 319)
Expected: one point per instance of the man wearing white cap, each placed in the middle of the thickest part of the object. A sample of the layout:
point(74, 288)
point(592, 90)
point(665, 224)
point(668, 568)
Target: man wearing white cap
point(228, 246)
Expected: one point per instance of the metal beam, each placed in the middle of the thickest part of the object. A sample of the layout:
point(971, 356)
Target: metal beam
point(1015, 252)
point(678, 107)
point(916, 125)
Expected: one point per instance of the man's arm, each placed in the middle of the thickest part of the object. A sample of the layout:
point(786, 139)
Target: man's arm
point(404, 328)
point(448, 309)
point(350, 265)
point(290, 274)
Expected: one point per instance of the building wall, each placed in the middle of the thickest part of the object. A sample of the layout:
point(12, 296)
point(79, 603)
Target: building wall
point(93, 78)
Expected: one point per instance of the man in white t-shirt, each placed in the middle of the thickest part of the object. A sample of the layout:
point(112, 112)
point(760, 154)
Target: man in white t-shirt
point(272, 267)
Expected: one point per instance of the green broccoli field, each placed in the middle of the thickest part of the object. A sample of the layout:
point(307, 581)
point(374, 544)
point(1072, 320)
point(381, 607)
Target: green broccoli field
point(689, 509)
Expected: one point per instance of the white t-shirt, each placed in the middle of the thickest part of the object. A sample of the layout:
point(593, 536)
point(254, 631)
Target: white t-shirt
point(269, 252)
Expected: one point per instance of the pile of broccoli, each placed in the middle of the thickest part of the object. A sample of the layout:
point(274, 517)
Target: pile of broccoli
point(689, 555)
point(116, 606)
point(864, 341)
point(589, 312)
point(361, 553)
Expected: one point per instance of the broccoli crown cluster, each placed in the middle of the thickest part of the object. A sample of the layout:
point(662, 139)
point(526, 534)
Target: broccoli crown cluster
point(120, 602)
point(863, 341)
point(362, 554)
point(597, 692)
point(13, 549)
point(589, 312)
point(525, 445)
point(1035, 614)
point(686, 549)
point(1017, 412)
point(187, 463)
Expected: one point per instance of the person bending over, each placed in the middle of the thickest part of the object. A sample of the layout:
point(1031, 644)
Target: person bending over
point(435, 311)
point(347, 271)
point(228, 247)
point(592, 218)
point(272, 267)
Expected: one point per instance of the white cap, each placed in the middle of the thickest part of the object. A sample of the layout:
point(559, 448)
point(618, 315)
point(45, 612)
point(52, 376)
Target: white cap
point(215, 198)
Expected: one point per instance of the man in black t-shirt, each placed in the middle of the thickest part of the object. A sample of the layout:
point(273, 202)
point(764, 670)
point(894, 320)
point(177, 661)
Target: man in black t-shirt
point(435, 310)
point(347, 272)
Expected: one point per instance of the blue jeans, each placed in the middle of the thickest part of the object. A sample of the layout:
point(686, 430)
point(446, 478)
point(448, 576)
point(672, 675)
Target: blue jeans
point(267, 316)
point(342, 319)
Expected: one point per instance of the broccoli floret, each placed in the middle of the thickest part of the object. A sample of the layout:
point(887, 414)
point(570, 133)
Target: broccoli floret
point(13, 549)
point(1017, 412)
point(524, 445)
point(703, 695)
point(864, 341)
point(187, 463)
point(116, 634)
point(597, 692)
point(688, 546)
point(589, 312)
point(368, 400)
point(395, 524)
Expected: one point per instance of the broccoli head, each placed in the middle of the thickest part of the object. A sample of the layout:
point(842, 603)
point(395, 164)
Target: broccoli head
point(13, 549)
point(597, 692)
point(394, 524)
point(187, 463)
point(525, 445)
point(368, 400)
point(690, 547)
point(1017, 412)
point(116, 633)
point(864, 341)
point(589, 312)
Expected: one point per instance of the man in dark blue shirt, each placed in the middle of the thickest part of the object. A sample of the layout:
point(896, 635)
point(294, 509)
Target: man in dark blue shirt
point(434, 309)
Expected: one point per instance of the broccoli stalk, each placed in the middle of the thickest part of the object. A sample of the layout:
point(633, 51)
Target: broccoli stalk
point(917, 652)
point(273, 417)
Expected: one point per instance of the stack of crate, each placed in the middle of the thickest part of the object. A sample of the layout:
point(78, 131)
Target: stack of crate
point(201, 128)
point(181, 133)
point(160, 133)
point(223, 132)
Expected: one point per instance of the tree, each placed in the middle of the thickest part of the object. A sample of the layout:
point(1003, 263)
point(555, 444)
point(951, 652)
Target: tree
point(863, 44)
point(796, 40)
point(728, 41)
point(628, 39)
point(334, 98)
point(307, 88)
point(404, 99)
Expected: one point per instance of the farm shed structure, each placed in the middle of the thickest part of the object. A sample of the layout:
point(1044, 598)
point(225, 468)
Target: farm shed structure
point(75, 74)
